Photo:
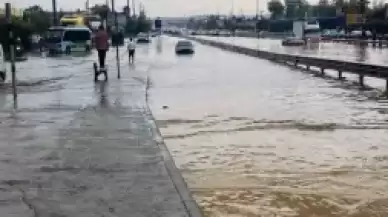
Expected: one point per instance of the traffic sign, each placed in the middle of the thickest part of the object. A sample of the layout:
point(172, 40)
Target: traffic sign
point(158, 23)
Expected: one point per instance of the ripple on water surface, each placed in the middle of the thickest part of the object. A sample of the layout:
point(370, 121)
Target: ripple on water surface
point(318, 171)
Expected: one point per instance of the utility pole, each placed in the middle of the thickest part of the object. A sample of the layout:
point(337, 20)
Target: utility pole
point(117, 46)
point(363, 5)
point(11, 42)
point(87, 6)
point(128, 9)
point(257, 15)
point(55, 18)
point(134, 7)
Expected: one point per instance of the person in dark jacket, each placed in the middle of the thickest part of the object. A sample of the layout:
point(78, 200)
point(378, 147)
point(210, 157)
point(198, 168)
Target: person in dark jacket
point(102, 45)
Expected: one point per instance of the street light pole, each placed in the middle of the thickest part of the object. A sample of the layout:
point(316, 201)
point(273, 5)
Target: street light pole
point(134, 7)
point(55, 18)
point(117, 46)
point(11, 40)
point(257, 15)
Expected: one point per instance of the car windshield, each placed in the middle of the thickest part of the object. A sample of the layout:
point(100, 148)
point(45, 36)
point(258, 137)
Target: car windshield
point(54, 36)
point(184, 43)
point(77, 35)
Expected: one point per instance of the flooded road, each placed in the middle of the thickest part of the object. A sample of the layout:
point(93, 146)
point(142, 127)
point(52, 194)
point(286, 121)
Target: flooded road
point(253, 138)
point(337, 51)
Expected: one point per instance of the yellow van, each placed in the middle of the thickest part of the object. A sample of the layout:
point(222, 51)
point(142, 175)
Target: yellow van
point(72, 21)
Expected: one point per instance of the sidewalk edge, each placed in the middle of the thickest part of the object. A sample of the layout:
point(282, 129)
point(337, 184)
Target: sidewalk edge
point(179, 183)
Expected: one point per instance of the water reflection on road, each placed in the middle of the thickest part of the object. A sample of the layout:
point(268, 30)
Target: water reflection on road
point(341, 51)
point(257, 139)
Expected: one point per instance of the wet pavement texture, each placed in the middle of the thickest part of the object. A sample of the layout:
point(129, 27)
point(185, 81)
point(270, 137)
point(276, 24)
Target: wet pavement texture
point(253, 138)
point(76, 148)
point(337, 51)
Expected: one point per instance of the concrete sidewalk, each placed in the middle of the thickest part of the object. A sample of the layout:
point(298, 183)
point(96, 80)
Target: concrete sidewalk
point(84, 152)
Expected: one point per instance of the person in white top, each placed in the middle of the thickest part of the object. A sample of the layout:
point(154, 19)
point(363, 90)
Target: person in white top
point(131, 50)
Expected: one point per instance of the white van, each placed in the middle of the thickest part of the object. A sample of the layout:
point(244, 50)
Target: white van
point(312, 31)
point(3, 67)
point(68, 39)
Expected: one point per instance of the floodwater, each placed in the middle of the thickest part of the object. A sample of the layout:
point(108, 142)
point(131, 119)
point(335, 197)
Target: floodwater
point(337, 51)
point(253, 138)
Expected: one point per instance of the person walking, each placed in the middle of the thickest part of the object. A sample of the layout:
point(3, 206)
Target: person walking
point(102, 45)
point(131, 50)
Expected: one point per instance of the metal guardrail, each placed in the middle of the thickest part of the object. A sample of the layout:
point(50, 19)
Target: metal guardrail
point(378, 42)
point(361, 69)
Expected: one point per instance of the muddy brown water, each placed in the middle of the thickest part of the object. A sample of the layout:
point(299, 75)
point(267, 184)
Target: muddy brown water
point(257, 139)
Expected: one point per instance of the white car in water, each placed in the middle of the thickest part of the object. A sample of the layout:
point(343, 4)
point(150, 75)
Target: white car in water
point(143, 38)
point(3, 67)
point(184, 47)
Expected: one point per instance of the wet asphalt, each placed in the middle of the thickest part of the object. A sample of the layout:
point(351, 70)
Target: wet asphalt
point(78, 148)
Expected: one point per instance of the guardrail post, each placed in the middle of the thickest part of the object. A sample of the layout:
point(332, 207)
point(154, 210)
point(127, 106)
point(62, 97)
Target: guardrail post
point(340, 75)
point(308, 67)
point(386, 87)
point(322, 71)
point(361, 80)
point(380, 43)
point(296, 63)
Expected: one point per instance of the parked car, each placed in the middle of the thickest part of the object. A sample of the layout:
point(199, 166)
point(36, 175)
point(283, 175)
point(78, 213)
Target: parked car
point(143, 38)
point(293, 41)
point(3, 67)
point(184, 47)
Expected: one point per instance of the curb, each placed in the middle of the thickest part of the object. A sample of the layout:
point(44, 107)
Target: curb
point(180, 185)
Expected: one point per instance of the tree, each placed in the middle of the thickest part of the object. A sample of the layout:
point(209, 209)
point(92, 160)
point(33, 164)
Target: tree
point(323, 3)
point(131, 25)
point(143, 24)
point(38, 19)
point(324, 9)
point(338, 3)
point(276, 8)
point(101, 10)
point(127, 10)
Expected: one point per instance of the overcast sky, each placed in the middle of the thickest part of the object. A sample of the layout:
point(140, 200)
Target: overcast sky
point(163, 7)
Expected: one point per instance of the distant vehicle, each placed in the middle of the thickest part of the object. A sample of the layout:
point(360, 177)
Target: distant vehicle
point(184, 47)
point(143, 38)
point(333, 33)
point(312, 30)
point(68, 39)
point(91, 21)
point(224, 33)
point(358, 33)
point(3, 67)
point(155, 33)
point(293, 41)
